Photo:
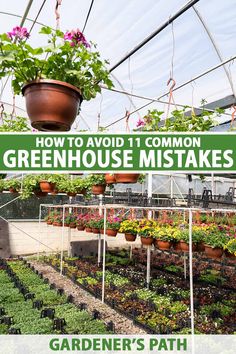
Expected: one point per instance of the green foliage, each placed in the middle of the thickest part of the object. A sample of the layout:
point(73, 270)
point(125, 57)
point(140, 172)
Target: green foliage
point(14, 124)
point(223, 310)
point(216, 239)
point(96, 179)
point(13, 183)
point(179, 121)
point(58, 60)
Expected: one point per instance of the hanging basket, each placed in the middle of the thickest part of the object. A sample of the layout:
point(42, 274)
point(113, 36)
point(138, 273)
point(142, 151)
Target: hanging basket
point(110, 179)
point(146, 241)
point(126, 177)
point(185, 246)
point(111, 232)
point(98, 189)
point(163, 245)
point(47, 187)
point(214, 253)
point(51, 105)
point(130, 237)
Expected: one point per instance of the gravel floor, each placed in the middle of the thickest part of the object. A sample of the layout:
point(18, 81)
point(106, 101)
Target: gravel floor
point(122, 324)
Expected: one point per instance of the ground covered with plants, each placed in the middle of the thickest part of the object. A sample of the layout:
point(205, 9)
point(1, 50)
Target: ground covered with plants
point(29, 305)
point(164, 307)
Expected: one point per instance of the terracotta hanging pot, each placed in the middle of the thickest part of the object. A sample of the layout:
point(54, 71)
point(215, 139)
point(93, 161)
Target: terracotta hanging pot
point(70, 194)
point(98, 189)
point(80, 228)
point(40, 194)
point(130, 237)
point(201, 247)
point(177, 247)
point(88, 229)
point(163, 245)
point(111, 232)
point(51, 105)
point(126, 177)
point(72, 225)
point(146, 241)
point(46, 186)
point(229, 255)
point(95, 230)
point(49, 222)
point(185, 246)
point(214, 253)
point(12, 190)
point(109, 178)
point(101, 231)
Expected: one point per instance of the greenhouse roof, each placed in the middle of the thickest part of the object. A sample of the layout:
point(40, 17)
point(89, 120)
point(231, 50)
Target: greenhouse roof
point(201, 38)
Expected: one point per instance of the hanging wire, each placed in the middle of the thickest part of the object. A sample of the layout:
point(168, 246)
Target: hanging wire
point(35, 20)
point(2, 111)
point(176, 88)
point(57, 13)
point(88, 14)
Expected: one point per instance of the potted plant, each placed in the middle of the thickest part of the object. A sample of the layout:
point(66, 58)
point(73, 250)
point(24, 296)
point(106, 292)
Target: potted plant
point(57, 220)
point(53, 79)
point(31, 185)
point(214, 244)
point(98, 183)
point(110, 178)
point(145, 230)
point(13, 185)
point(112, 225)
point(230, 248)
point(130, 229)
point(49, 219)
point(184, 240)
point(50, 182)
point(72, 221)
point(163, 236)
point(80, 223)
point(126, 177)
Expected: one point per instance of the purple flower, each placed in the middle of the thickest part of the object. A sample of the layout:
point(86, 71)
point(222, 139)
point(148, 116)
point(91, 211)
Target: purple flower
point(140, 123)
point(76, 37)
point(18, 33)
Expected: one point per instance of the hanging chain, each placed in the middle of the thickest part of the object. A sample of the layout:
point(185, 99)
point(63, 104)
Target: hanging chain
point(57, 13)
point(13, 113)
point(127, 114)
point(2, 112)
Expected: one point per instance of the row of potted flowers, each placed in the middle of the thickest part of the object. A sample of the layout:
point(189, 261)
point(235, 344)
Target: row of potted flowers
point(41, 185)
point(211, 239)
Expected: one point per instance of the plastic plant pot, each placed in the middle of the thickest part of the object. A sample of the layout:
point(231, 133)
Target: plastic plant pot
point(46, 186)
point(111, 232)
point(214, 253)
point(98, 189)
point(163, 245)
point(130, 237)
point(146, 241)
point(51, 105)
point(126, 177)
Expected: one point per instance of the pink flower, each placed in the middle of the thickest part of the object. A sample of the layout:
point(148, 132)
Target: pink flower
point(140, 123)
point(76, 38)
point(18, 33)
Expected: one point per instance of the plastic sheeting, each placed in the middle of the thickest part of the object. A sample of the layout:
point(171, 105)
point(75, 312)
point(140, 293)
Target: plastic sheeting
point(120, 25)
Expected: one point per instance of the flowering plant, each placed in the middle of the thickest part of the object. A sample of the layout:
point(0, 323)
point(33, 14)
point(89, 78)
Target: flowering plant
point(216, 239)
point(166, 233)
point(66, 57)
point(80, 220)
point(113, 222)
point(231, 246)
point(129, 226)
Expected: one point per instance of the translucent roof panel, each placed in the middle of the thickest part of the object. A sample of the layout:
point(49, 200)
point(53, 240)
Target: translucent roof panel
point(198, 40)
